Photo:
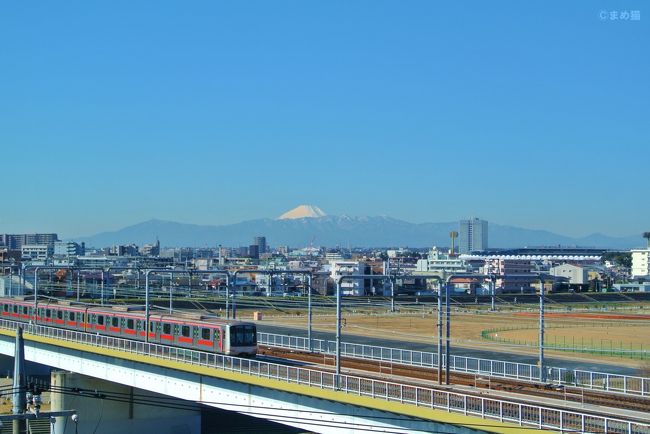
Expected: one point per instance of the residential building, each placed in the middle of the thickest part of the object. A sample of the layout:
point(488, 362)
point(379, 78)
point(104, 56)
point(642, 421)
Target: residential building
point(441, 263)
point(333, 257)
point(129, 250)
point(36, 252)
point(69, 248)
point(513, 275)
point(151, 249)
point(473, 235)
point(349, 286)
point(16, 241)
point(640, 262)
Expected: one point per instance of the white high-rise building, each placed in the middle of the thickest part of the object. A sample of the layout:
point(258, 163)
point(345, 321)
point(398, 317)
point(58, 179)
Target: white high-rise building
point(473, 235)
point(640, 262)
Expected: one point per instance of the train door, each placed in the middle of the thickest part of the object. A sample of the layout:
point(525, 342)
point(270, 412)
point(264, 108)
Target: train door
point(224, 339)
point(184, 335)
point(114, 326)
point(71, 319)
point(81, 321)
point(59, 321)
point(154, 331)
point(47, 317)
point(166, 335)
point(99, 322)
point(139, 330)
point(129, 329)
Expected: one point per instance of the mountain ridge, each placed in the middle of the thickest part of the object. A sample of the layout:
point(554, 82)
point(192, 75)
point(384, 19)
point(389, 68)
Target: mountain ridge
point(330, 231)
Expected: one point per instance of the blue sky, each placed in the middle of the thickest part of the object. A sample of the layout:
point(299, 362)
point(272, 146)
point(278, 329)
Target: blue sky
point(535, 114)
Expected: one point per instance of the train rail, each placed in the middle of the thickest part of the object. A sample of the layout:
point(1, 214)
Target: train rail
point(532, 390)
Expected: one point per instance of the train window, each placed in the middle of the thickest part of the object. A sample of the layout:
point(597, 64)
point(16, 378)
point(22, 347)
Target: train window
point(115, 321)
point(25, 310)
point(129, 323)
point(217, 334)
point(48, 313)
point(205, 333)
point(250, 334)
point(152, 326)
point(71, 316)
point(100, 319)
point(82, 317)
point(138, 325)
point(5, 307)
point(185, 331)
point(15, 309)
point(59, 314)
point(167, 328)
point(243, 335)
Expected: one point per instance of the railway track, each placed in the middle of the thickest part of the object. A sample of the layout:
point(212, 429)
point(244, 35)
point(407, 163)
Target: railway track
point(531, 390)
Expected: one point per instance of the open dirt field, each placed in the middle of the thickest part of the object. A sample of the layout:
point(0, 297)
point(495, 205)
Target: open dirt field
point(621, 331)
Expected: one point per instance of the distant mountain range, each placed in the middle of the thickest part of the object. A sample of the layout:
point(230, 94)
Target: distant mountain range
point(339, 231)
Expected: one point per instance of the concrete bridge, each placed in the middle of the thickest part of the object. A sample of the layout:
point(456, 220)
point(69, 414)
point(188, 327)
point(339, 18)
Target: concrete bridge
point(301, 397)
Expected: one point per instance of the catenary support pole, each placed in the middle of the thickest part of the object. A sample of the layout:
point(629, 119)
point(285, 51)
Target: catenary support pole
point(338, 333)
point(440, 289)
point(309, 313)
point(146, 305)
point(228, 283)
point(447, 333)
point(542, 371)
point(493, 291)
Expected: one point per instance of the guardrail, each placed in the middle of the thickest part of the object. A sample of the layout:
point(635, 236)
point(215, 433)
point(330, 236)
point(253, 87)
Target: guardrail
point(486, 408)
point(601, 381)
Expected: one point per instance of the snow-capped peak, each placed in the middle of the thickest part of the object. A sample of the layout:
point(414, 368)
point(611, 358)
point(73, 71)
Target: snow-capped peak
point(303, 211)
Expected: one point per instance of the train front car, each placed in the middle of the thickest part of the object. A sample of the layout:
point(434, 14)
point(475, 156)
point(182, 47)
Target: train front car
point(241, 339)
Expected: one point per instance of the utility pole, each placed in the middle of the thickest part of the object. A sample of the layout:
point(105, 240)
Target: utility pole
point(20, 410)
point(19, 399)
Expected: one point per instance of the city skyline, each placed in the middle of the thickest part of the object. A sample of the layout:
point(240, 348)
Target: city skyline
point(531, 115)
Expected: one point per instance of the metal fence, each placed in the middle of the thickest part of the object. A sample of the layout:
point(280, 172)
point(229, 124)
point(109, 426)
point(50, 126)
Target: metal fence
point(487, 408)
point(601, 381)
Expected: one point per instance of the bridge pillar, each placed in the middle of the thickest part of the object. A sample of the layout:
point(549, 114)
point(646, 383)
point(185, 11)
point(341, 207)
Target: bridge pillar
point(110, 408)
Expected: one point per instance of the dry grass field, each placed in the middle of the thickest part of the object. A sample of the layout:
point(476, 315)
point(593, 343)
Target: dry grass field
point(469, 329)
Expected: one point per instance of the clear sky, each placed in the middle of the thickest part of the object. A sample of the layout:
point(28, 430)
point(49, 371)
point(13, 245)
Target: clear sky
point(535, 114)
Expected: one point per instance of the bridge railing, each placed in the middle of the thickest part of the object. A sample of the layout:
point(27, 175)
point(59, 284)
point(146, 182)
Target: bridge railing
point(601, 381)
point(486, 408)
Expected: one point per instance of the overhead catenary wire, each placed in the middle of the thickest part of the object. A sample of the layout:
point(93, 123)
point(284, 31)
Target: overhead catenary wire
point(143, 399)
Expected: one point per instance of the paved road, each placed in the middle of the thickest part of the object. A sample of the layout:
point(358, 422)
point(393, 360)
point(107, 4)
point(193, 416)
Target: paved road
point(456, 351)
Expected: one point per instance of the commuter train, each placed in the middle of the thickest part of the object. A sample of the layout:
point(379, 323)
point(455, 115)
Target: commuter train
point(230, 337)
